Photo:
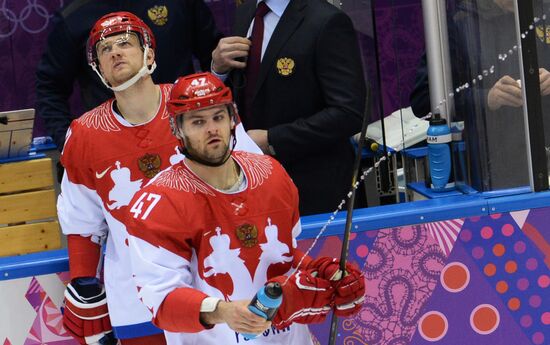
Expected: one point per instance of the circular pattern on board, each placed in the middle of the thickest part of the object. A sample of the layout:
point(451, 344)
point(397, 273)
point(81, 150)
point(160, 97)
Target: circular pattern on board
point(514, 303)
point(362, 251)
point(519, 247)
point(538, 338)
point(526, 321)
point(465, 235)
point(507, 230)
point(478, 253)
point(484, 319)
point(490, 269)
point(499, 249)
point(522, 284)
point(455, 277)
point(486, 232)
point(433, 326)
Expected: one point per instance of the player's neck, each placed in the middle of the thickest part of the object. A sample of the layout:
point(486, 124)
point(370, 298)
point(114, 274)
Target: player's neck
point(140, 102)
point(222, 178)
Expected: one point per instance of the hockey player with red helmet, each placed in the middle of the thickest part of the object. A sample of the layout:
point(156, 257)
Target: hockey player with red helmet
point(207, 233)
point(110, 153)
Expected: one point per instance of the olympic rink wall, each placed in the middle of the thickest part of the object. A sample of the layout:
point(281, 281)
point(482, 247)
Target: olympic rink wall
point(455, 271)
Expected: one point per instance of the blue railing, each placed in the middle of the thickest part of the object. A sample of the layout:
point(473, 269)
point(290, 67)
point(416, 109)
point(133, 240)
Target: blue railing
point(381, 217)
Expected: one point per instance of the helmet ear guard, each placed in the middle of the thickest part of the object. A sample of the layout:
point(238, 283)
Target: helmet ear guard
point(173, 126)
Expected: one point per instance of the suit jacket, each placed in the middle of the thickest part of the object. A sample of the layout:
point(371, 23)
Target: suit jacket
point(310, 95)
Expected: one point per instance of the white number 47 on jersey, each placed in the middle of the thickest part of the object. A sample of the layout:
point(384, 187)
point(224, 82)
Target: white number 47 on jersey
point(152, 200)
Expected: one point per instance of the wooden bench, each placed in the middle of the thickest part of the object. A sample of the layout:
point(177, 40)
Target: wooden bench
point(28, 215)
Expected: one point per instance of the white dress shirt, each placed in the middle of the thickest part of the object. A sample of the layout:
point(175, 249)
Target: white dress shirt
point(271, 20)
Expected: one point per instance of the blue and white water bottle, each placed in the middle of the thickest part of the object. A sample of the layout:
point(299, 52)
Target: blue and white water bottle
point(265, 303)
point(439, 152)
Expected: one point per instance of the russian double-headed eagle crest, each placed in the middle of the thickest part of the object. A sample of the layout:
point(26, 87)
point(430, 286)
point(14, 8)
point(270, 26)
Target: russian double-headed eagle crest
point(543, 33)
point(149, 164)
point(285, 66)
point(158, 15)
point(248, 235)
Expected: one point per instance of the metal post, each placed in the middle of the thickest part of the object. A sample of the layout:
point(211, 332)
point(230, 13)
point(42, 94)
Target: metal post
point(438, 57)
point(529, 72)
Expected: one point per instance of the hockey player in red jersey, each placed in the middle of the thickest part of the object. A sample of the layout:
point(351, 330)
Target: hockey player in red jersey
point(207, 233)
point(110, 153)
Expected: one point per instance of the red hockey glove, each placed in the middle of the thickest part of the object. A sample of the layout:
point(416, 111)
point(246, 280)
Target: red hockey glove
point(85, 315)
point(327, 268)
point(306, 299)
point(349, 290)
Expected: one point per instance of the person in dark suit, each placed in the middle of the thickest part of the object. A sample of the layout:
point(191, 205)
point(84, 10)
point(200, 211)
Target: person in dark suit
point(309, 96)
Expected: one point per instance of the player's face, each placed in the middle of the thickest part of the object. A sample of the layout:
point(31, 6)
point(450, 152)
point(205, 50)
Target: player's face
point(207, 132)
point(120, 57)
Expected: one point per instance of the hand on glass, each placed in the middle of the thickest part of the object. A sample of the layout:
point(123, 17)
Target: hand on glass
point(505, 92)
point(544, 77)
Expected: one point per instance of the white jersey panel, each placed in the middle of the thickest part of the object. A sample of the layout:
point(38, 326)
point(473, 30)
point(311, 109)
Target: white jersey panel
point(80, 212)
point(244, 142)
point(159, 274)
point(125, 308)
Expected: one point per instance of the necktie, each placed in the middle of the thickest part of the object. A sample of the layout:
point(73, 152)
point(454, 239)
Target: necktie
point(254, 57)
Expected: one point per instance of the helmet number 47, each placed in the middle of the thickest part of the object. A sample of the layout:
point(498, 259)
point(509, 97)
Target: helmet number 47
point(146, 198)
point(198, 82)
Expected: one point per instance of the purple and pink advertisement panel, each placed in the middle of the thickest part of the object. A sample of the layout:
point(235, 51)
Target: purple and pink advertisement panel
point(480, 280)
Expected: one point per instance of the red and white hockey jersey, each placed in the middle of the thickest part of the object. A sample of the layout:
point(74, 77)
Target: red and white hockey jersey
point(189, 240)
point(107, 161)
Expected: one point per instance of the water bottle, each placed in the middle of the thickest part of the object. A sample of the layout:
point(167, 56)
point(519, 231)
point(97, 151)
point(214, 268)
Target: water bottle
point(439, 152)
point(265, 303)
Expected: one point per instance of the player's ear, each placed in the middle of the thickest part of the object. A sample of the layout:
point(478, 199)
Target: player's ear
point(232, 115)
point(150, 56)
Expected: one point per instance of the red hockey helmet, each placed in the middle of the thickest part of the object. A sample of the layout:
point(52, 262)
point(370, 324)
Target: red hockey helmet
point(197, 91)
point(117, 23)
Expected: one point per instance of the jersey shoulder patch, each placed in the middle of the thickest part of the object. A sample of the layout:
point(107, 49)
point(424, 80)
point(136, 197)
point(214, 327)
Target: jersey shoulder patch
point(180, 178)
point(165, 89)
point(100, 118)
point(258, 167)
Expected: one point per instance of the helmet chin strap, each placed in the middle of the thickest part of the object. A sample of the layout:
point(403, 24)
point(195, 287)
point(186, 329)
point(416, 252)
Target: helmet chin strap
point(143, 71)
point(194, 158)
